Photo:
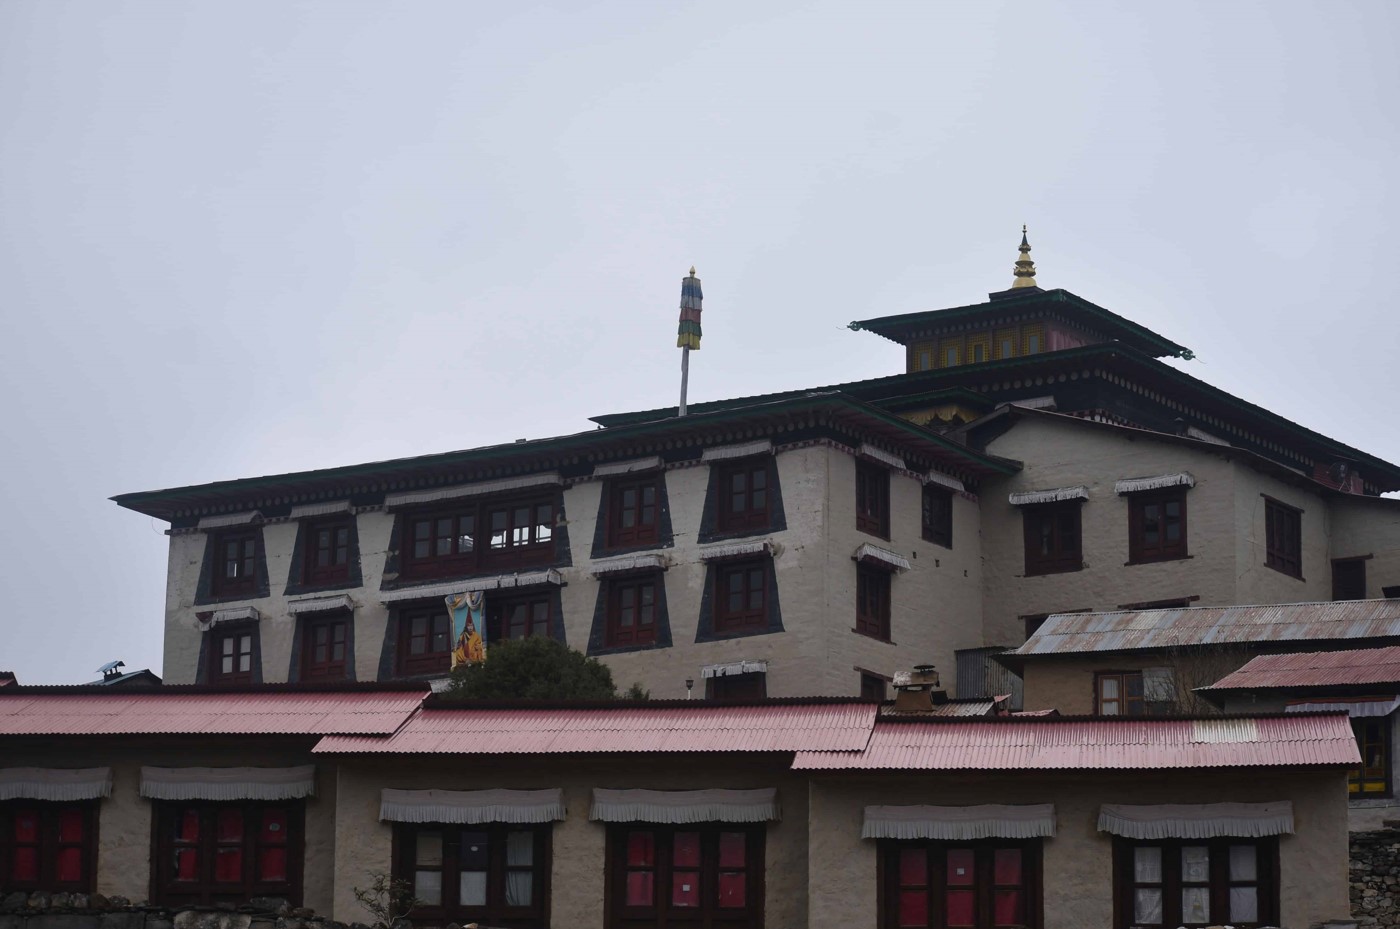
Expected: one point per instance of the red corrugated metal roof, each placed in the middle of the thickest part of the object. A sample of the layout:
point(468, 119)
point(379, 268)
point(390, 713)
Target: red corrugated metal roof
point(702, 728)
point(1316, 669)
point(115, 713)
point(1049, 743)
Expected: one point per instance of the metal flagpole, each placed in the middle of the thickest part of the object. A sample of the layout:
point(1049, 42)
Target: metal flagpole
point(685, 374)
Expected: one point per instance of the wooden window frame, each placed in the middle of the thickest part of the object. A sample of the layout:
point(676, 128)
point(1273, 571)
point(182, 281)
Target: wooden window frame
point(250, 547)
point(1127, 681)
point(873, 687)
point(873, 499)
point(1026, 332)
point(922, 357)
point(748, 618)
point(1140, 551)
point(329, 668)
point(751, 685)
point(641, 531)
point(337, 570)
point(430, 660)
point(498, 607)
point(936, 519)
point(473, 521)
point(1283, 537)
point(748, 508)
point(1060, 559)
point(48, 844)
point(873, 594)
point(935, 887)
point(984, 339)
point(496, 912)
point(1368, 780)
point(206, 890)
point(1338, 580)
point(615, 633)
point(999, 338)
point(953, 343)
point(1266, 881)
point(662, 870)
point(237, 637)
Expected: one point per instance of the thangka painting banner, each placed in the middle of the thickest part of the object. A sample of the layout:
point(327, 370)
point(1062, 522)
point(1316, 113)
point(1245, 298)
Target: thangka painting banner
point(469, 633)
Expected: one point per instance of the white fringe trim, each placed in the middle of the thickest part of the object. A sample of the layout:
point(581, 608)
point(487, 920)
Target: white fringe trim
point(236, 615)
point(471, 806)
point(1134, 485)
point(685, 806)
point(320, 509)
point(629, 563)
point(1197, 821)
point(410, 498)
point(867, 450)
point(627, 467)
point(959, 823)
point(736, 550)
point(232, 519)
point(724, 452)
point(228, 783)
point(1032, 403)
point(56, 784)
point(1380, 706)
point(943, 480)
point(734, 667)
point(499, 582)
point(1059, 494)
point(1201, 435)
point(886, 557)
point(320, 604)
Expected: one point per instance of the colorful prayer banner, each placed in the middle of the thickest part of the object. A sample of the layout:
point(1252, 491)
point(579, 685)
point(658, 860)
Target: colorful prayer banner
point(688, 334)
point(469, 632)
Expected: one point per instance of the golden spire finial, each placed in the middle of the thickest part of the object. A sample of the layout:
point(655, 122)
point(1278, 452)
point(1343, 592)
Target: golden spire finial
point(1025, 268)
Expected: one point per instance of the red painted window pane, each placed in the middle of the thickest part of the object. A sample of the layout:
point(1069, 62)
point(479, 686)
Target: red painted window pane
point(228, 865)
point(959, 866)
point(732, 889)
point(641, 849)
point(960, 908)
point(70, 826)
point(1007, 909)
point(26, 865)
point(186, 864)
point(687, 850)
point(640, 887)
point(230, 828)
point(272, 864)
point(1007, 866)
point(913, 867)
point(913, 908)
point(26, 826)
point(70, 865)
point(189, 826)
point(274, 827)
point(731, 849)
point(685, 888)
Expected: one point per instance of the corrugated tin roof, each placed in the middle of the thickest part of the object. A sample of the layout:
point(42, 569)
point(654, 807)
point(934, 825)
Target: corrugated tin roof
point(976, 706)
point(1131, 630)
point(1050, 743)
point(701, 728)
point(1316, 669)
point(111, 712)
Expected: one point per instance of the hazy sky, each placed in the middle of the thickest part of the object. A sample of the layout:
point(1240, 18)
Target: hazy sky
point(254, 237)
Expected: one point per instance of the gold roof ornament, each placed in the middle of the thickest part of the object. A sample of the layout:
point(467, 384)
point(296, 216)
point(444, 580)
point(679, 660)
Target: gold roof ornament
point(1025, 268)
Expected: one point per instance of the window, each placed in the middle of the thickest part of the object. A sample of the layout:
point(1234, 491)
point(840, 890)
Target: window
point(751, 685)
point(979, 348)
point(1157, 525)
point(483, 535)
point(987, 884)
point(1119, 693)
point(425, 641)
point(873, 602)
point(47, 846)
point(235, 563)
point(741, 596)
point(938, 515)
point(1052, 538)
point(743, 495)
point(872, 499)
point(209, 853)
point(950, 352)
point(493, 873)
point(872, 686)
point(631, 616)
point(1195, 882)
point(1005, 344)
point(1033, 340)
point(1349, 579)
point(231, 657)
point(632, 512)
point(327, 555)
point(921, 356)
point(1372, 779)
point(707, 874)
point(1033, 622)
point(1283, 535)
point(518, 617)
point(323, 649)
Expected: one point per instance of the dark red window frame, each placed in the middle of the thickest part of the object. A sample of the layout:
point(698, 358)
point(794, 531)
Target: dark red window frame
point(1157, 525)
point(692, 876)
point(873, 499)
point(745, 494)
point(631, 609)
point(325, 647)
point(873, 687)
point(634, 511)
point(741, 595)
point(1283, 537)
point(235, 569)
point(206, 853)
point(491, 533)
point(938, 515)
point(1217, 883)
point(1053, 537)
point(326, 559)
point(984, 884)
point(48, 846)
point(474, 849)
point(873, 602)
point(520, 615)
point(231, 655)
point(424, 641)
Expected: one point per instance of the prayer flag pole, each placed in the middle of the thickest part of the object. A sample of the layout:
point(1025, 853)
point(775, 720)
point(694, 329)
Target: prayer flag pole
point(688, 333)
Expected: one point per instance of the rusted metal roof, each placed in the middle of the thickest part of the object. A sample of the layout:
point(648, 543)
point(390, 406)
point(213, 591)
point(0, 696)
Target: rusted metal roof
point(1134, 630)
point(116, 713)
point(1352, 666)
point(1064, 743)
point(700, 728)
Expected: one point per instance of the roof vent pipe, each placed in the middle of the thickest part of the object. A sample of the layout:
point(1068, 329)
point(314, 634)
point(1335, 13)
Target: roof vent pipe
point(917, 691)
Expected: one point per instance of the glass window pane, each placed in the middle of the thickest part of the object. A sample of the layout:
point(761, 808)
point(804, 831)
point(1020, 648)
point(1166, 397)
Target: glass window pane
point(228, 865)
point(70, 864)
point(188, 830)
point(474, 851)
point(686, 853)
point(272, 864)
point(1147, 865)
point(274, 827)
point(70, 826)
point(732, 889)
point(520, 888)
point(1195, 864)
point(472, 888)
point(427, 887)
point(913, 908)
point(1244, 863)
point(641, 849)
point(186, 864)
point(520, 849)
point(913, 867)
point(1195, 904)
point(1006, 866)
point(1108, 688)
point(26, 828)
point(428, 853)
point(1008, 908)
point(1244, 904)
point(959, 866)
point(731, 849)
point(640, 886)
point(960, 908)
point(685, 888)
point(26, 865)
point(1147, 906)
point(230, 826)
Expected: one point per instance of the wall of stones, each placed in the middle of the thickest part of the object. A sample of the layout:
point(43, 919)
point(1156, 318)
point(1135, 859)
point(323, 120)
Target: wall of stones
point(1375, 877)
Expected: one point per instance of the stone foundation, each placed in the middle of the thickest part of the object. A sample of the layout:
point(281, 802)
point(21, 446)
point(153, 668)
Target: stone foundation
point(1375, 877)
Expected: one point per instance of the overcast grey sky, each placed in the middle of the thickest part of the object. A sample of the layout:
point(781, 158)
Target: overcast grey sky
point(254, 237)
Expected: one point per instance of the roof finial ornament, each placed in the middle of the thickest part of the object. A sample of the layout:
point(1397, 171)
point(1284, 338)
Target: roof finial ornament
point(1025, 268)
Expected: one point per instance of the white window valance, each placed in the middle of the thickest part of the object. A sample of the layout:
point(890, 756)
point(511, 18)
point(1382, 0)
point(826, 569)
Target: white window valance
point(883, 557)
point(867, 450)
point(959, 823)
point(685, 806)
point(414, 497)
point(648, 562)
point(736, 549)
point(725, 452)
point(320, 604)
point(1201, 435)
point(330, 508)
point(228, 783)
point(944, 480)
point(1379, 706)
point(499, 582)
point(229, 519)
point(59, 784)
point(1058, 495)
point(1197, 821)
point(1136, 485)
point(1032, 403)
point(614, 468)
point(471, 806)
point(732, 668)
point(236, 615)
